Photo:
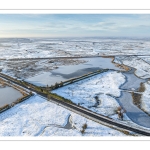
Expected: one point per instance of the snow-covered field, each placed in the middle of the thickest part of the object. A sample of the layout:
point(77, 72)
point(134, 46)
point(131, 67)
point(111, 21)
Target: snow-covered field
point(33, 48)
point(141, 66)
point(145, 58)
point(38, 117)
point(105, 86)
point(145, 99)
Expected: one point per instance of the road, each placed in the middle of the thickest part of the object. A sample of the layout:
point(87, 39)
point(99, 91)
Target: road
point(70, 57)
point(73, 57)
point(85, 112)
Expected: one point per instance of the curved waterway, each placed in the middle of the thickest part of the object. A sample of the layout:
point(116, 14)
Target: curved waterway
point(132, 81)
point(133, 112)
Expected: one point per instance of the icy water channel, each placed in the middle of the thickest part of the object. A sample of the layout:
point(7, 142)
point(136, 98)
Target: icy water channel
point(8, 95)
point(133, 112)
point(67, 72)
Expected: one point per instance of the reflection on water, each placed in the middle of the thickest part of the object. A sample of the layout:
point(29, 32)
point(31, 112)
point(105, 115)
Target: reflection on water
point(8, 95)
point(66, 72)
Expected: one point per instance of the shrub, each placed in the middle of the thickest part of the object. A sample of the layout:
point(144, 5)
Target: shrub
point(54, 95)
point(61, 83)
point(84, 126)
point(82, 131)
point(4, 107)
point(119, 108)
point(126, 132)
point(56, 85)
point(48, 96)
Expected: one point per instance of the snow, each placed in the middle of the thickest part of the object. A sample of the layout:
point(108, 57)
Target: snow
point(105, 86)
point(38, 117)
point(33, 48)
point(145, 58)
point(145, 100)
point(28, 68)
point(141, 66)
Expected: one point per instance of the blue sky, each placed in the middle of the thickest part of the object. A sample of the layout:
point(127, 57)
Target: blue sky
point(74, 25)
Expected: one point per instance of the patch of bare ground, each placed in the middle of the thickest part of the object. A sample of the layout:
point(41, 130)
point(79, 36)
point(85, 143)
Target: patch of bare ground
point(122, 66)
point(126, 68)
point(137, 97)
point(2, 84)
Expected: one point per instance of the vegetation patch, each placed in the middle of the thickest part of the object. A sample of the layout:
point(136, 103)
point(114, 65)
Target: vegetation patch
point(126, 68)
point(19, 100)
point(126, 132)
point(5, 107)
point(55, 96)
point(83, 128)
point(137, 97)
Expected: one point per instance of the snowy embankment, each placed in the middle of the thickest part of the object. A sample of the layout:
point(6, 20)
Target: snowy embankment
point(105, 86)
point(145, 58)
point(141, 66)
point(38, 117)
point(145, 99)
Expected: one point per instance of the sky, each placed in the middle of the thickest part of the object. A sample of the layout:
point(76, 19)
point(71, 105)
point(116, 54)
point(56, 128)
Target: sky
point(74, 25)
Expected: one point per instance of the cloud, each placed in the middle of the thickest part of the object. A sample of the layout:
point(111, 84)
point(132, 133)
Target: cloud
point(68, 24)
